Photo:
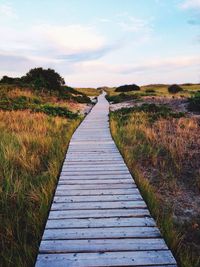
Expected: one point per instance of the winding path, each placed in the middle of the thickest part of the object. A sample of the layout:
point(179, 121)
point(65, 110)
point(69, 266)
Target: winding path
point(98, 217)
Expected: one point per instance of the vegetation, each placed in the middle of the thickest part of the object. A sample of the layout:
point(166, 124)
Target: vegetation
point(31, 152)
point(121, 97)
point(89, 91)
point(194, 102)
point(39, 79)
point(160, 90)
point(161, 149)
point(34, 105)
point(173, 89)
point(35, 128)
point(127, 88)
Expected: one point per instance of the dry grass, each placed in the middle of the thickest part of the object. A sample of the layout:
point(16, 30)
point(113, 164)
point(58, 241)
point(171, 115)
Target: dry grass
point(164, 158)
point(160, 90)
point(88, 91)
point(32, 148)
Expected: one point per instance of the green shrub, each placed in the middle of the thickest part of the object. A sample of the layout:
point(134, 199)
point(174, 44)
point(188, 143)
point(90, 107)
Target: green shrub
point(56, 111)
point(173, 89)
point(155, 112)
point(150, 91)
point(194, 102)
point(34, 104)
point(127, 88)
point(121, 97)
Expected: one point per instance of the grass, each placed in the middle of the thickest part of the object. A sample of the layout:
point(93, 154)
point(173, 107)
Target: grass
point(89, 91)
point(160, 152)
point(35, 128)
point(159, 90)
point(32, 148)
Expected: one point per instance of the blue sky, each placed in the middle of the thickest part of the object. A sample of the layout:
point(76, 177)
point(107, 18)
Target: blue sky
point(102, 42)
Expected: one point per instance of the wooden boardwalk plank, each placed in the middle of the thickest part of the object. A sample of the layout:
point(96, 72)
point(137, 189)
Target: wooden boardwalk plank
point(97, 213)
point(96, 198)
point(98, 216)
point(93, 233)
point(133, 258)
point(101, 245)
point(100, 222)
point(98, 205)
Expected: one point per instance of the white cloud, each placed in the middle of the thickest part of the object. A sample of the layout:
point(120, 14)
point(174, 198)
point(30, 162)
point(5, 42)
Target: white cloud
point(167, 64)
point(70, 39)
point(190, 4)
point(133, 24)
point(54, 42)
point(6, 10)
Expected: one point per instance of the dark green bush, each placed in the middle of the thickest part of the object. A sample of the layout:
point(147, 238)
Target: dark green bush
point(23, 102)
point(68, 93)
point(56, 111)
point(150, 91)
point(194, 102)
point(175, 88)
point(121, 98)
point(127, 88)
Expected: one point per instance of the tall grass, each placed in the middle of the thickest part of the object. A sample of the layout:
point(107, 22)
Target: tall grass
point(160, 153)
point(32, 147)
point(89, 91)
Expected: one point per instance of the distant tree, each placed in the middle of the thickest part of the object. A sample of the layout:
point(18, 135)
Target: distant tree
point(127, 88)
point(174, 88)
point(41, 78)
point(9, 80)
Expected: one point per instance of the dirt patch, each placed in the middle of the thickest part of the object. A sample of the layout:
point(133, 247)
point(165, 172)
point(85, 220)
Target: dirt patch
point(177, 104)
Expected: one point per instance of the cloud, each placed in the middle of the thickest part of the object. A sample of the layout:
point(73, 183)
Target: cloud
point(166, 64)
point(72, 38)
point(10, 62)
point(54, 43)
point(133, 24)
point(6, 10)
point(190, 4)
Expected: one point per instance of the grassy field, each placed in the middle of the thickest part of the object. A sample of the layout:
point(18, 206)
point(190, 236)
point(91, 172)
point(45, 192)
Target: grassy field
point(158, 90)
point(161, 148)
point(32, 147)
point(89, 91)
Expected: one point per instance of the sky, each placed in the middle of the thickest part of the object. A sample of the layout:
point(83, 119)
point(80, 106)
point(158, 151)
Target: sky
point(94, 43)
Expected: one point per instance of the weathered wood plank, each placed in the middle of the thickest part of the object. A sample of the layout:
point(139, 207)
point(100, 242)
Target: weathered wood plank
point(93, 192)
point(101, 245)
point(97, 176)
point(98, 217)
point(95, 186)
point(114, 232)
point(100, 222)
point(94, 181)
point(132, 258)
point(96, 198)
point(106, 213)
point(98, 205)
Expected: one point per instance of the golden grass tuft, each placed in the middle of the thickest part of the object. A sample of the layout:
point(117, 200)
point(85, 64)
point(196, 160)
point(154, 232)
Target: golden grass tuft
point(32, 148)
point(160, 155)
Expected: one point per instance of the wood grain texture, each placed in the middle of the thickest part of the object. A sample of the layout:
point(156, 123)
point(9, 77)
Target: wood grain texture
point(98, 216)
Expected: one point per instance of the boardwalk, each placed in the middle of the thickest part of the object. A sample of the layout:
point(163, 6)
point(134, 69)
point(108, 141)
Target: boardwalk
point(98, 217)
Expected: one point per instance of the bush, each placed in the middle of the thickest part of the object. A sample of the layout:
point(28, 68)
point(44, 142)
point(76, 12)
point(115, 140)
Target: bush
point(56, 111)
point(194, 102)
point(121, 97)
point(23, 102)
point(127, 88)
point(154, 112)
point(150, 91)
point(173, 89)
